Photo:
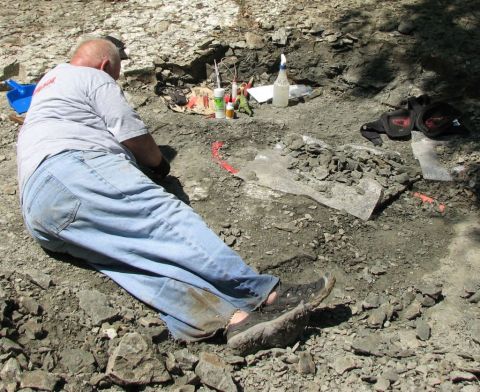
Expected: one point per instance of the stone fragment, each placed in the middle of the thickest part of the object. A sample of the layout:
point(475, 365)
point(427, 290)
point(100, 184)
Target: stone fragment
point(77, 361)
point(368, 345)
point(423, 330)
point(320, 172)
point(459, 376)
point(390, 375)
point(31, 305)
point(185, 359)
point(427, 301)
point(378, 270)
point(344, 364)
point(407, 298)
point(234, 360)
point(305, 365)
point(148, 322)
point(372, 301)
point(4, 306)
point(213, 372)
point(39, 379)
point(413, 311)
point(475, 298)
point(402, 178)
point(9, 70)
point(406, 27)
point(189, 378)
point(40, 279)
point(133, 362)
point(10, 370)
point(470, 287)
point(32, 329)
point(7, 345)
point(280, 36)
point(171, 364)
point(475, 332)
point(95, 304)
point(431, 290)
point(377, 318)
point(382, 384)
point(254, 41)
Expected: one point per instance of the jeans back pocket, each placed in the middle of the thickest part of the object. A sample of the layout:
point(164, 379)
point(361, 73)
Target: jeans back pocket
point(52, 207)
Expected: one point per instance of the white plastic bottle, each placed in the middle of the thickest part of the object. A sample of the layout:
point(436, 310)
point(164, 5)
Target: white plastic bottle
point(281, 85)
point(219, 102)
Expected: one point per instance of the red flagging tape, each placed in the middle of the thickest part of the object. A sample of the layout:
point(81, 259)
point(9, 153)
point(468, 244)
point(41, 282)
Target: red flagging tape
point(216, 146)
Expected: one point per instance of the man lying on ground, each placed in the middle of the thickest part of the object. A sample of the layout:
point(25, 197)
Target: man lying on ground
point(82, 193)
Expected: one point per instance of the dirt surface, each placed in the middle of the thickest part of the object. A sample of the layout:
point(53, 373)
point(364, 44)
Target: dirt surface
point(404, 314)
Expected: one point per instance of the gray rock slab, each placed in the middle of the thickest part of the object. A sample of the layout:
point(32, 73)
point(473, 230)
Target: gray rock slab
point(77, 361)
point(133, 362)
point(39, 379)
point(344, 364)
point(96, 305)
point(368, 345)
point(10, 370)
point(213, 372)
point(39, 278)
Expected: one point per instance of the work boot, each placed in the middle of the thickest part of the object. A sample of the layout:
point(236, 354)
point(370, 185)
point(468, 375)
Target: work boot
point(290, 295)
point(267, 330)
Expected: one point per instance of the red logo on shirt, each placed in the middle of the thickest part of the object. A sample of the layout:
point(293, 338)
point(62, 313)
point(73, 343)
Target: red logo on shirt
point(44, 84)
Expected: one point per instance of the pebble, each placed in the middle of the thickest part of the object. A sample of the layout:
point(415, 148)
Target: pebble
point(413, 311)
point(344, 364)
point(423, 330)
point(406, 27)
point(305, 365)
point(459, 376)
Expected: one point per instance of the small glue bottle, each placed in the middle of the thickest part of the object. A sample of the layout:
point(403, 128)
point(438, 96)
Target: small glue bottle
point(230, 112)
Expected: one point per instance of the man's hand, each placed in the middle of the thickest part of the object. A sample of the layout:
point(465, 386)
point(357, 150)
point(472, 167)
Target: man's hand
point(147, 153)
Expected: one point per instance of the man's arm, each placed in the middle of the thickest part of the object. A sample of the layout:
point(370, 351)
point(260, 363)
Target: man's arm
point(147, 153)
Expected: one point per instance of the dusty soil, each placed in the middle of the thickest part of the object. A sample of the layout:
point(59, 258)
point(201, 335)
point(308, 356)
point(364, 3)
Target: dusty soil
point(408, 269)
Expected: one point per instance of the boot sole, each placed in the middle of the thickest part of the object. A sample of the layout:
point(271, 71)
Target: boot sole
point(317, 300)
point(278, 332)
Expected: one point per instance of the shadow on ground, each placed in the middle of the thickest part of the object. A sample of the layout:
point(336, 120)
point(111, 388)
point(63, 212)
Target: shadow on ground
point(442, 46)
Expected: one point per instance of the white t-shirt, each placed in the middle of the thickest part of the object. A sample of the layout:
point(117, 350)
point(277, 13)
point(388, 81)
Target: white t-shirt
point(75, 108)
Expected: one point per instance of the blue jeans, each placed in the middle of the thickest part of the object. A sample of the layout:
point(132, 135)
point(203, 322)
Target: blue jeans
point(101, 208)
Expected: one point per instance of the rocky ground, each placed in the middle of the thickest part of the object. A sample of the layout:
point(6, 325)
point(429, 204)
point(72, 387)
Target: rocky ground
point(404, 314)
